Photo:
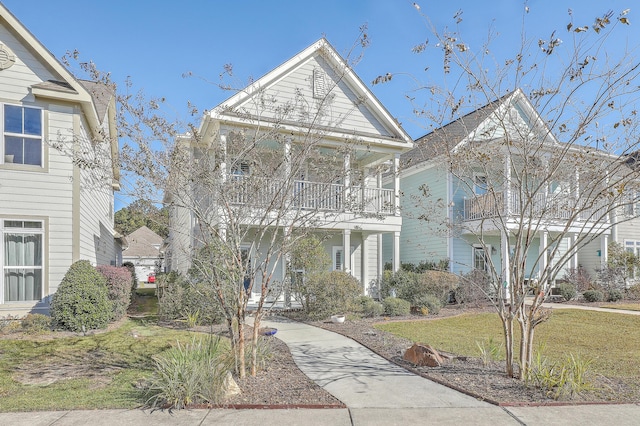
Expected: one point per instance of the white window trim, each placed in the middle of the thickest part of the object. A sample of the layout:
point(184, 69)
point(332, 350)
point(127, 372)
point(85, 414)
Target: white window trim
point(487, 253)
point(337, 249)
point(42, 267)
point(42, 135)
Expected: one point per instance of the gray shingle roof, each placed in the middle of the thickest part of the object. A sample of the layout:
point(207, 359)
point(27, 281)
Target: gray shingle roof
point(101, 94)
point(143, 242)
point(58, 86)
point(448, 136)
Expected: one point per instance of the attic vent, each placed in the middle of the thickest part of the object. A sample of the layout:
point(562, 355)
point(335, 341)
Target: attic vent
point(319, 84)
point(7, 58)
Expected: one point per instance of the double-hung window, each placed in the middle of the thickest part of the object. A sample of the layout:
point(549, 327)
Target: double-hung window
point(22, 260)
point(22, 135)
point(480, 261)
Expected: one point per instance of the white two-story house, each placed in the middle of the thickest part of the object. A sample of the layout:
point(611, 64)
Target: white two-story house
point(58, 171)
point(496, 187)
point(309, 136)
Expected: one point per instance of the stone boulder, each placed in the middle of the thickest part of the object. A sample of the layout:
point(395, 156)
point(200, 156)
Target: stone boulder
point(423, 355)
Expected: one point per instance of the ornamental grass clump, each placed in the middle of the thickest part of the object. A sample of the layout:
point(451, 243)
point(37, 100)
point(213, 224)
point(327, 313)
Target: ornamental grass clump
point(190, 374)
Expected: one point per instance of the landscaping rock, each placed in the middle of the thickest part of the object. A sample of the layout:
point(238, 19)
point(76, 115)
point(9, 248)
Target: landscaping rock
point(230, 386)
point(423, 355)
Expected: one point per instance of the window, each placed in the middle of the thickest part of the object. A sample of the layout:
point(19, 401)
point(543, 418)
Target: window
point(480, 260)
point(22, 135)
point(245, 252)
point(480, 184)
point(634, 248)
point(338, 259)
point(22, 259)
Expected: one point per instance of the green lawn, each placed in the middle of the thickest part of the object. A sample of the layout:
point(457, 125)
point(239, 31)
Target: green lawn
point(625, 306)
point(85, 372)
point(611, 340)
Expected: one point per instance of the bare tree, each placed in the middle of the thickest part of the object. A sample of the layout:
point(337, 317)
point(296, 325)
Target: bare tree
point(541, 149)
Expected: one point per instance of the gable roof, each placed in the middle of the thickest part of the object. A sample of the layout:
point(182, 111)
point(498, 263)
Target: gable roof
point(66, 86)
point(143, 242)
point(465, 129)
point(388, 129)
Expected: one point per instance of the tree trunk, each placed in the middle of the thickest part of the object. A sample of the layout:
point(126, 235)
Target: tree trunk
point(507, 328)
point(241, 357)
point(254, 345)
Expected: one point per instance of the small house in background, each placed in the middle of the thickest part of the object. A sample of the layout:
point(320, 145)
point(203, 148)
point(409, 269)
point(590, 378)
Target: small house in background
point(144, 252)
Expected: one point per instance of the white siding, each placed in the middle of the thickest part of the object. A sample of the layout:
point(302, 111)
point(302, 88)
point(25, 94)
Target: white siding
point(342, 109)
point(96, 204)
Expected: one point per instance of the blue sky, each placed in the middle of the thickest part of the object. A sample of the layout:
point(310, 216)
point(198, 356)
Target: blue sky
point(156, 42)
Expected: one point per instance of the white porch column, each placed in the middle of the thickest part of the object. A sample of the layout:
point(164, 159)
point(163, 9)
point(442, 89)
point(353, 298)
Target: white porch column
point(396, 191)
point(507, 184)
point(542, 252)
point(574, 255)
point(364, 263)
point(347, 181)
point(504, 255)
point(287, 157)
point(380, 265)
point(604, 250)
point(396, 251)
point(346, 250)
point(223, 157)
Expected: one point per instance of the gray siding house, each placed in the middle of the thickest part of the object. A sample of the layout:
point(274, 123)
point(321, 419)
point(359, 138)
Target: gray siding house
point(53, 209)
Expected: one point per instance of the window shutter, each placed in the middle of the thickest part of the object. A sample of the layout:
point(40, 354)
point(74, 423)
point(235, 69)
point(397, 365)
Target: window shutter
point(319, 84)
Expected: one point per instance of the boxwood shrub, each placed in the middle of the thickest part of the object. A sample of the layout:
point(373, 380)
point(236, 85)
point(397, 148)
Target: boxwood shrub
point(81, 300)
point(396, 307)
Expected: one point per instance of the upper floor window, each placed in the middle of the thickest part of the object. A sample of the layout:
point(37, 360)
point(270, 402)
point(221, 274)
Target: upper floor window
point(480, 184)
point(22, 135)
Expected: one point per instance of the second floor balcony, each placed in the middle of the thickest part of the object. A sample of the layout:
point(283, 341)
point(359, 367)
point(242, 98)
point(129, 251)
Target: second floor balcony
point(310, 196)
point(539, 206)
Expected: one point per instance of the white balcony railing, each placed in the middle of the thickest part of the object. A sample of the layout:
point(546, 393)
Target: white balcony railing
point(307, 195)
point(548, 206)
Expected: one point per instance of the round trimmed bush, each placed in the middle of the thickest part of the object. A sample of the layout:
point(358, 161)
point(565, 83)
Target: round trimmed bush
point(81, 300)
point(368, 307)
point(428, 303)
point(567, 291)
point(614, 295)
point(593, 296)
point(396, 307)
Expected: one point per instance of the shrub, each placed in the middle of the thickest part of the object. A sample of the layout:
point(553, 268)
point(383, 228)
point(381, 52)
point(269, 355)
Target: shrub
point(593, 296)
point(412, 286)
point(119, 284)
point(36, 324)
point(181, 299)
point(474, 288)
point(190, 374)
point(81, 302)
point(396, 307)
point(633, 292)
point(132, 270)
point(331, 293)
point(368, 307)
point(614, 295)
point(567, 291)
point(428, 303)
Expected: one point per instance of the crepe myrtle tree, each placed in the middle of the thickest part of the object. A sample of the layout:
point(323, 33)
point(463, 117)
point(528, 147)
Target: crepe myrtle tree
point(552, 130)
point(241, 198)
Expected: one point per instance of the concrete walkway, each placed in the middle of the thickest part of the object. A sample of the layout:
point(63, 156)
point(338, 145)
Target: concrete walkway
point(375, 391)
point(560, 305)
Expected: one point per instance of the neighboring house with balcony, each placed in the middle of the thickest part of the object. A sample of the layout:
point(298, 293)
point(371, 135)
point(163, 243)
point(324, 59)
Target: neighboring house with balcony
point(474, 186)
point(309, 136)
point(58, 171)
